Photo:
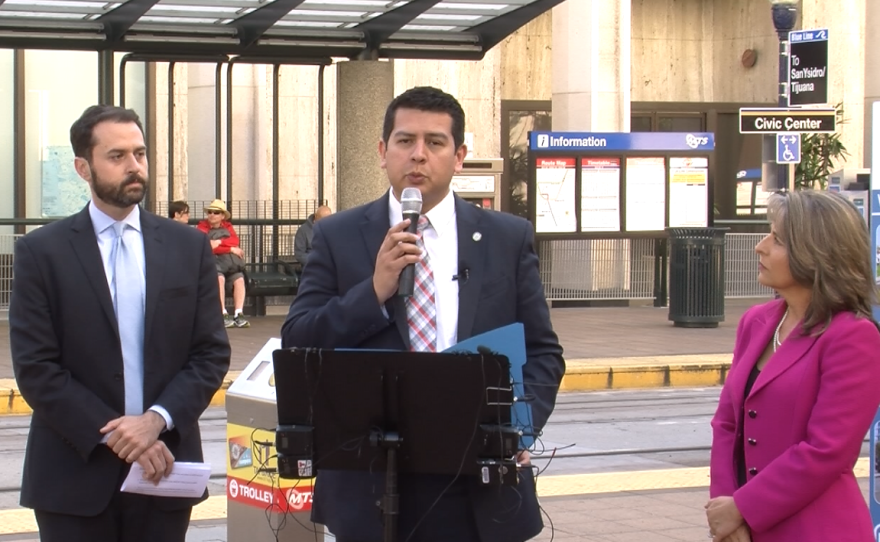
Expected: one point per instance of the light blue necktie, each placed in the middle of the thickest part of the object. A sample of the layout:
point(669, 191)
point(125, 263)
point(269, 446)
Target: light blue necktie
point(128, 284)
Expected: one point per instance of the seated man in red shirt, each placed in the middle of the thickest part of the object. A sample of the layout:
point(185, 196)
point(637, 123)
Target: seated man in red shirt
point(229, 257)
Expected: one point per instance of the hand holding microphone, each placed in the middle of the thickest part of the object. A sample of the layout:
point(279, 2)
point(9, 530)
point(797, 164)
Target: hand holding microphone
point(398, 251)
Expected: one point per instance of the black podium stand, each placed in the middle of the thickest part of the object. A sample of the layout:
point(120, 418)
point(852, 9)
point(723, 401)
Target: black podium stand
point(392, 411)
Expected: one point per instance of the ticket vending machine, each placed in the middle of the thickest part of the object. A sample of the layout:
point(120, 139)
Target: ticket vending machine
point(479, 182)
point(261, 506)
point(874, 213)
point(853, 184)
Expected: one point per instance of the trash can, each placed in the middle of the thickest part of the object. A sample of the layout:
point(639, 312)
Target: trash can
point(696, 276)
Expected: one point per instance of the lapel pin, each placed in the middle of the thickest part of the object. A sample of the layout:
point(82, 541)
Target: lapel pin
point(477, 236)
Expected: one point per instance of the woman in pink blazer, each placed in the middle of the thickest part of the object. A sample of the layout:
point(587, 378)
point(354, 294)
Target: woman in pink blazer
point(804, 385)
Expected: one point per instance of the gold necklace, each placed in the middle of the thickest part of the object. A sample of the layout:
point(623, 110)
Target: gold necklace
point(776, 342)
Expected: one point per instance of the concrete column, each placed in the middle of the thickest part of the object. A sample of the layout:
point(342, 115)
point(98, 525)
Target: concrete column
point(159, 169)
point(247, 155)
point(364, 89)
point(476, 86)
point(259, 185)
point(846, 65)
point(200, 148)
point(872, 71)
point(299, 118)
point(592, 65)
point(591, 81)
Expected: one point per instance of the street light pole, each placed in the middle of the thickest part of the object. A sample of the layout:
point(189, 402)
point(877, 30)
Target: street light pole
point(784, 18)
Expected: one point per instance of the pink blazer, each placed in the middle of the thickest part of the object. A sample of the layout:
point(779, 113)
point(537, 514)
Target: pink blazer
point(804, 422)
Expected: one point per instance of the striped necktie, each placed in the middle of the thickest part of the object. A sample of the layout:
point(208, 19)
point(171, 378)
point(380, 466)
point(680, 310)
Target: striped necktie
point(421, 310)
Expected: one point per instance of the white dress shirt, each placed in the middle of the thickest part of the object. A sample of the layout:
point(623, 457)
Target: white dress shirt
point(441, 243)
point(106, 235)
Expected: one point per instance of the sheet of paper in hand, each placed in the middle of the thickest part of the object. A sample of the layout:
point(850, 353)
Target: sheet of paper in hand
point(186, 480)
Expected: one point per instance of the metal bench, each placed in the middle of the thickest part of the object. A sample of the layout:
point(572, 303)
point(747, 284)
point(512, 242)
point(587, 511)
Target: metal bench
point(275, 278)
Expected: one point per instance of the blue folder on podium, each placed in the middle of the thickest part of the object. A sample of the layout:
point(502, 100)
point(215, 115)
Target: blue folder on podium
point(508, 341)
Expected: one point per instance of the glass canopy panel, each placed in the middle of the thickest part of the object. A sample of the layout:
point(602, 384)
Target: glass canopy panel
point(55, 6)
point(429, 28)
point(213, 4)
point(199, 10)
point(180, 20)
point(344, 4)
point(471, 7)
point(42, 15)
point(311, 24)
point(321, 13)
point(488, 11)
point(447, 17)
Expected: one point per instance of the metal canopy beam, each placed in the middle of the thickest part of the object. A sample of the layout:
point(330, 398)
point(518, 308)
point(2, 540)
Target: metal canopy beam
point(280, 53)
point(203, 59)
point(378, 29)
point(117, 21)
point(492, 32)
point(251, 26)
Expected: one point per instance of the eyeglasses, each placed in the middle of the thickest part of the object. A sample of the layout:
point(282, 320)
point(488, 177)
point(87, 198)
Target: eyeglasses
point(213, 212)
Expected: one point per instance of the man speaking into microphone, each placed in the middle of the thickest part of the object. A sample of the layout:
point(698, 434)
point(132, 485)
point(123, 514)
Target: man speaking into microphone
point(393, 275)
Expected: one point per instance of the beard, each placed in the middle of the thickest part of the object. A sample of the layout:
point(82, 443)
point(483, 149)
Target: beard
point(123, 195)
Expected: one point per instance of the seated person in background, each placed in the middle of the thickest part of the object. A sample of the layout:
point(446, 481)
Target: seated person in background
point(179, 211)
point(302, 243)
point(228, 255)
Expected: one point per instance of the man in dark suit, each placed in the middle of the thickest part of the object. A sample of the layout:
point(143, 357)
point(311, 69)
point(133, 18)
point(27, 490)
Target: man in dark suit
point(479, 271)
point(117, 346)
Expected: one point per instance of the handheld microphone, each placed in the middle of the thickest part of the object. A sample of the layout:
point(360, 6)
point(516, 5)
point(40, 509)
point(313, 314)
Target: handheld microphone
point(411, 205)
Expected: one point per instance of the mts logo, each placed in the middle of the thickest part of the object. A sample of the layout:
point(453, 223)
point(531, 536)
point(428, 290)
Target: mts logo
point(297, 500)
point(695, 141)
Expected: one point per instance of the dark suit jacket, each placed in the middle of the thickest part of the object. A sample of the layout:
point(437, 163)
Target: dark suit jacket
point(336, 307)
point(68, 361)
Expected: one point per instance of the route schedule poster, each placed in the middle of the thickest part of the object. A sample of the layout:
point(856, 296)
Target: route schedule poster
point(688, 192)
point(600, 194)
point(645, 194)
point(555, 203)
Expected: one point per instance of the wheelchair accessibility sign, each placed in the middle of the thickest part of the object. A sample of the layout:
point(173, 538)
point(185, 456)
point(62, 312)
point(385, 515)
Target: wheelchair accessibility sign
point(788, 148)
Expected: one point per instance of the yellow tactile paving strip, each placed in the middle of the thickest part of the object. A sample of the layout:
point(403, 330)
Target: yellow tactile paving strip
point(213, 508)
point(580, 375)
point(12, 403)
point(10, 400)
point(613, 482)
point(17, 521)
point(22, 521)
point(645, 372)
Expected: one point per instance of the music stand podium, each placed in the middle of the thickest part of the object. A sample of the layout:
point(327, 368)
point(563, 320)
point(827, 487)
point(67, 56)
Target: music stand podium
point(335, 407)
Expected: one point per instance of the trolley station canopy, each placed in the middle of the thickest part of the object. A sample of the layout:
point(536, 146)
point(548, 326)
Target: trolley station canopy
point(282, 29)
